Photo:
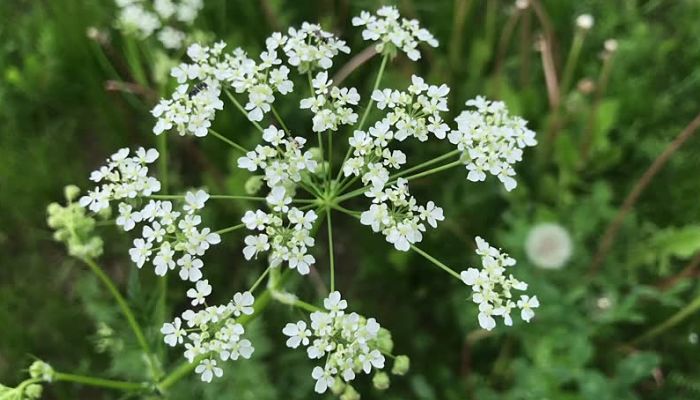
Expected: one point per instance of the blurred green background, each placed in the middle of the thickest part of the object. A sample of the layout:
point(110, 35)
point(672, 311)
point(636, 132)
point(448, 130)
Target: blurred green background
point(59, 119)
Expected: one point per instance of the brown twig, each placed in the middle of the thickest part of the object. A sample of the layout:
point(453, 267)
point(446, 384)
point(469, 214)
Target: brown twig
point(686, 272)
point(131, 88)
point(550, 72)
point(611, 232)
point(354, 63)
point(270, 15)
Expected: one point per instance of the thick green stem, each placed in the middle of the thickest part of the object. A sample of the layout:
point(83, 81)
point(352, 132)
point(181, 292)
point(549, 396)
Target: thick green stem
point(128, 314)
point(228, 141)
point(100, 382)
point(436, 262)
point(279, 119)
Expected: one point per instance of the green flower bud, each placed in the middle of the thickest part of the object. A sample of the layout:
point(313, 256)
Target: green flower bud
point(338, 386)
point(253, 184)
point(71, 192)
point(33, 391)
point(384, 341)
point(41, 370)
point(401, 365)
point(316, 154)
point(350, 394)
point(381, 381)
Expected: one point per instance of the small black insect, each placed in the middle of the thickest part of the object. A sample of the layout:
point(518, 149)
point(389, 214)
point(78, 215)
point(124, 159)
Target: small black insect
point(197, 88)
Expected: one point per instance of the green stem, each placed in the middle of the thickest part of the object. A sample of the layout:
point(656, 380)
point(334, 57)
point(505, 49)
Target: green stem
point(230, 229)
point(241, 109)
point(674, 320)
point(228, 141)
point(279, 119)
point(260, 279)
point(323, 164)
point(100, 382)
point(306, 306)
point(128, 314)
point(358, 192)
point(571, 61)
point(133, 58)
point(160, 311)
point(436, 262)
point(330, 161)
point(330, 247)
point(427, 163)
point(376, 85)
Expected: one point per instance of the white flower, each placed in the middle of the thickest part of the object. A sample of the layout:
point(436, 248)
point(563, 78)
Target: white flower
point(526, 304)
point(548, 246)
point(200, 292)
point(164, 260)
point(324, 379)
point(141, 252)
point(195, 201)
point(491, 140)
point(242, 304)
point(387, 30)
point(208, 369)
point(334, 303)
point(255, 244)
point(298, 334)
point(190, 268)
point(173, 332)
point(492, 287)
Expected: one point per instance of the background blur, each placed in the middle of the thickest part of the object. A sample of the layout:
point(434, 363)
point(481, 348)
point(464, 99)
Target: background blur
point(625, 329)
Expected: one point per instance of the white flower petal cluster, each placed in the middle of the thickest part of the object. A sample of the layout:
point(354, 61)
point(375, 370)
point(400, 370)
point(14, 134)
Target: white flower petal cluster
point(371, 158)
point(190, 110)
point(123, 177)
point(493, 287)
point(330, 105)
point(396, 214)
point(309, 47)
point(282, 160)
point(170, 239)
point(211, 332)
point(491, 140)
point(416, 112)
point(389, 29)
point(347, 342)
point(143, 18)
point(287, 241)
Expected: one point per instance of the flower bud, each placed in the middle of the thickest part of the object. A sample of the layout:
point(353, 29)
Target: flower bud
point(610, 45)
point(41, 370)
point(338, 386)
point(350, 394)
point(401, 365)
point(33, 391)
point(253, 184)
point(71, 192)
point(381, 381)
point(384, 341)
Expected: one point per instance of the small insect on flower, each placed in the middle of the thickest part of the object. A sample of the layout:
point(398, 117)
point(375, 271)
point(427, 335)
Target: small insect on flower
point(197, 88)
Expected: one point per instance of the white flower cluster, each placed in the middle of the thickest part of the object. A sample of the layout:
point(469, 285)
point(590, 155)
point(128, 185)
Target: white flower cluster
point(347, 341)
point(288, 241)
point(397, 216)
point(123, 177)
point(308, 47)
point(548, 246)
point(492, 287)
point(386, 29)
point(330, 104)
point(491, 140)
point(416, 112)
point(144, 17)
point(174, 237)
point(189, 110)
point(212, 331)
point(282, 161)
